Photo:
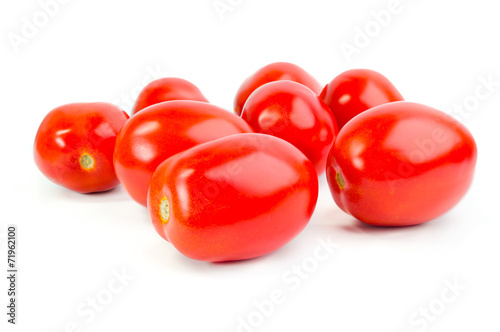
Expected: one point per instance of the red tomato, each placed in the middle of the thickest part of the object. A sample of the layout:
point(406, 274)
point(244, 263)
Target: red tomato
point(293, 112)
point(400, 164)
point(233, 198)
point(162, 130)
point(165, 89)
point(356, 90)
point(74, 146)
point(273, 72)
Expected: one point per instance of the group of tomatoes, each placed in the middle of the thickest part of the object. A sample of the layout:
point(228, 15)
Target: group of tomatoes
point(222, 186)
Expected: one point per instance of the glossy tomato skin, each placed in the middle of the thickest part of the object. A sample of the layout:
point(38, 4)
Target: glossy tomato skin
point(273, 72)
point(162, 130)
point(293, 112)
point(400, 164)
point(74, 146)
point(233, 198)
point(166, 89)
point(356, 90)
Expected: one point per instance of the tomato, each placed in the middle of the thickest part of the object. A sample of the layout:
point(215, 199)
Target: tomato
point(293, 112)
point(74, 146)
point(165, 89)
point(355, 91)
point(233, 198)
point(162, 130)
point(273, 72)
point(400, 164)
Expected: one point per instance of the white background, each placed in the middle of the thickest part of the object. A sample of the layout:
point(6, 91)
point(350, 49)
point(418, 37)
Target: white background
point(71, 246)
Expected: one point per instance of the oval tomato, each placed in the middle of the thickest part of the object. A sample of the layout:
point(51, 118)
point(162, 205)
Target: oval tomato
point(162, 130)
point(400, 164)
point(165, 89)
point(293, 112)
point(74, 146)
point(233, 198)
point(273, 72)
point(356, 90)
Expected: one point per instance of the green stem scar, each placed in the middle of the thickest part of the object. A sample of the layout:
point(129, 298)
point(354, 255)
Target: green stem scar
point(86, 161)
point(164, 210)
point(340, 180)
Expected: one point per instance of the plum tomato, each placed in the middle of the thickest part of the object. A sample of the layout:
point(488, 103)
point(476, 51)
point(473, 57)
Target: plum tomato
point(74, 146)
point(233, 198)
point(293, 112)
point(165, 89)
point(273, 72)
point(400, 164)
point(162, 130)
point(355, 91)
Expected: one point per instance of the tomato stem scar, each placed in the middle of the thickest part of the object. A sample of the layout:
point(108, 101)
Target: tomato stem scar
point(164, 210)
point(86, 161)
point(340, 180)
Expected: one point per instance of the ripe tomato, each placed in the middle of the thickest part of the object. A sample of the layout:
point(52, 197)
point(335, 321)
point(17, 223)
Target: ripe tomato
point(74, 146)
point(273, 72)
point(162, 130)
point(233, 198)
point(400, 164)
point(355, 91)
point(165, 89)
point(293, 112)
